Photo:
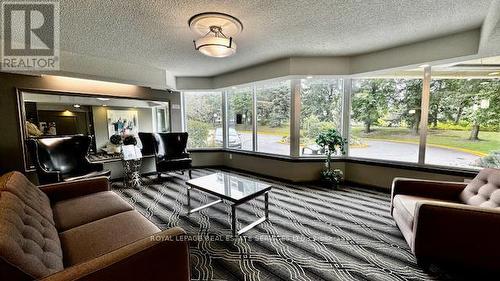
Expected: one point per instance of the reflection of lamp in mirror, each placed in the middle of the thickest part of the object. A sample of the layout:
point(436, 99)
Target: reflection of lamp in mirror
point(67, 113)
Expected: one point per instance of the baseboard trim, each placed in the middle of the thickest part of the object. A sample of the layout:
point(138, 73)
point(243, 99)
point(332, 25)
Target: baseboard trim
point(368, 186)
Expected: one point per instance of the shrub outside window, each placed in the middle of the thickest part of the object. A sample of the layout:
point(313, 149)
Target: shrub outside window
point(203, 119)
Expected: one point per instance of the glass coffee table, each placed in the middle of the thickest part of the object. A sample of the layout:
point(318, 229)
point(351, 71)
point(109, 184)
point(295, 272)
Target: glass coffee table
point(233, 188)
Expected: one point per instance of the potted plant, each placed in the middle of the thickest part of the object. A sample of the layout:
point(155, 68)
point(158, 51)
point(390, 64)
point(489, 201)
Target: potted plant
point(333, 144)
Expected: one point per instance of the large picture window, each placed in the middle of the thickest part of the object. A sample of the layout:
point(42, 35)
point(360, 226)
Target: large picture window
point(203, 119)
point(239, 119)
point(321, 109)
point(385, 118)
point(464, 123)
point(273, 117)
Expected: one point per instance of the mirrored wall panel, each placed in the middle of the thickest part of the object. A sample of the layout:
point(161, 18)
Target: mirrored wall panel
point(107, 121)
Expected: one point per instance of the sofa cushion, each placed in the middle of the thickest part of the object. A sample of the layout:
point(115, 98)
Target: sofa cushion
point(405, 206)
point(403, 225)
point(81, 210)
point(31, 195)
point(174, 164)
point(483, 190)
point(29, 243)
point(94, 239)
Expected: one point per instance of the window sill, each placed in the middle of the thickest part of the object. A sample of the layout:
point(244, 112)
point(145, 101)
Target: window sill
point(208, 149)
point(457, 171)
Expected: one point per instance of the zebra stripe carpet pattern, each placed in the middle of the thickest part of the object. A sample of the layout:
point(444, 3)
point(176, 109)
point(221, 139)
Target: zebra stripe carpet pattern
point(313, 233)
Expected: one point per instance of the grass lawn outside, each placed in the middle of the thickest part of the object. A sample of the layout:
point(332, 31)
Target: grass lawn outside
point(454, 139)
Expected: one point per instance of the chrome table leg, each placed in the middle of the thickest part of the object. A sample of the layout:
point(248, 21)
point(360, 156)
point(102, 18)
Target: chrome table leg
point(233, 219)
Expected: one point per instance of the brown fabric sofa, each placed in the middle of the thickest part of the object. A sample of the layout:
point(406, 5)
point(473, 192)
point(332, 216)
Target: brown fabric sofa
point(452, 223)
point(82, 231)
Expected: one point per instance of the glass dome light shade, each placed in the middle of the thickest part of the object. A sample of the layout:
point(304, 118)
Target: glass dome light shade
point(218, 47)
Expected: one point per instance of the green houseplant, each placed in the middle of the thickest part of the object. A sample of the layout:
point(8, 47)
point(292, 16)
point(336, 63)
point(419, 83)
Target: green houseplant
point(333, 144)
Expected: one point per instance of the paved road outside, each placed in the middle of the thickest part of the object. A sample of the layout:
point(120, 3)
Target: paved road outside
point(385, 150)
point(408, 152)
point(266, 143)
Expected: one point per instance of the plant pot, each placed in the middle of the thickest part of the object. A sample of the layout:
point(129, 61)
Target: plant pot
point(329, 184)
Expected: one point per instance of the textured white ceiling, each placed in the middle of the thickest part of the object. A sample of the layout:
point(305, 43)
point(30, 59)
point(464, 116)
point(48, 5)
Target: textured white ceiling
point(155, 32)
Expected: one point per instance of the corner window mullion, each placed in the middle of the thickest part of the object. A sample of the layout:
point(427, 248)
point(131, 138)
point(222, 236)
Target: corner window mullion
point(346, 111)
point(254, 119)
point(424, 115)
point(295, 118)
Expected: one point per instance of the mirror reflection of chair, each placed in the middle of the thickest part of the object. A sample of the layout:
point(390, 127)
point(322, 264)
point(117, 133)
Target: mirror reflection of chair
point(61, 159)
point(169, 150)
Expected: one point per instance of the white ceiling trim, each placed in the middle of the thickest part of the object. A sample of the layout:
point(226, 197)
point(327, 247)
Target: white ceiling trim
point(82, 66)
point(491, 22)
point(102, 69)
point(454, 47)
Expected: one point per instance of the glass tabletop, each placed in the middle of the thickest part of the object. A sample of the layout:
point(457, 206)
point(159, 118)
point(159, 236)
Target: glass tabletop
point(229, 186)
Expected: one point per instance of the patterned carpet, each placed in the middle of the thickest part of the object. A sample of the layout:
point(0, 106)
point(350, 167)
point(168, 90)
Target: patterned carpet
point(313, 233)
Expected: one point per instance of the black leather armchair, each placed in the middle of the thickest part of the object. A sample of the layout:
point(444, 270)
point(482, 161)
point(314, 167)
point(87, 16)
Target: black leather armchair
point(169, 150)
point(61, 159)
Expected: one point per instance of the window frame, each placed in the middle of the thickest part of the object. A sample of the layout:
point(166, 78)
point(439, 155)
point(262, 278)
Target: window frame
point(226, 121)
point(344, 104)
point(255, 108)
point(223, 117)
point(295, 111)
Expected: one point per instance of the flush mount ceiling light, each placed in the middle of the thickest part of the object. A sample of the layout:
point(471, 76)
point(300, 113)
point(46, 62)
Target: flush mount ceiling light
point(217, 31)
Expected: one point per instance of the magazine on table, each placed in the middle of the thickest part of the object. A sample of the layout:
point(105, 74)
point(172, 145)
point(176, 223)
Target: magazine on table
point(131, 152)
